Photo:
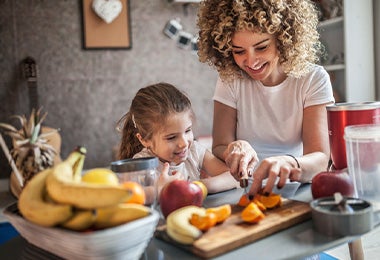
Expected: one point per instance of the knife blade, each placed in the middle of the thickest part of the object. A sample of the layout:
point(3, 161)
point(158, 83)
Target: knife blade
point(244, 185)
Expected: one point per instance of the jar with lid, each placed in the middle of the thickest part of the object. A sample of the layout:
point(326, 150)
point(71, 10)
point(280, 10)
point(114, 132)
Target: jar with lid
point(142, 171)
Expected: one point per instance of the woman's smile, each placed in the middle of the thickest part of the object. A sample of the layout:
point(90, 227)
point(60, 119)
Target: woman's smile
point(256, 69)
point(257, 55)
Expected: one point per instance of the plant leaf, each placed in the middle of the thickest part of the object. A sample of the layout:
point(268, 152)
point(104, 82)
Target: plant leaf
point(8, 127)
point(35, 133)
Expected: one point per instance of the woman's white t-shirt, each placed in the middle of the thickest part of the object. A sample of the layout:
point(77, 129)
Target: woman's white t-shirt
point(270, 118)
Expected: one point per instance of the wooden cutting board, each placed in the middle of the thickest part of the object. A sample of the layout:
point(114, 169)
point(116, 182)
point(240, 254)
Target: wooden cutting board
point(234, 233)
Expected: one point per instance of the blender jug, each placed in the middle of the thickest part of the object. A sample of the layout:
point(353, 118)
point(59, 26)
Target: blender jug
point(340, 115)
point(363, 157)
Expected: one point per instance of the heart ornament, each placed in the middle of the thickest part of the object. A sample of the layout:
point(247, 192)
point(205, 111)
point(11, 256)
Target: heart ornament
point(108, 10)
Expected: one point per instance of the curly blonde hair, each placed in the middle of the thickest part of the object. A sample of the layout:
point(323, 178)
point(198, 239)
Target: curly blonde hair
point(293, 22)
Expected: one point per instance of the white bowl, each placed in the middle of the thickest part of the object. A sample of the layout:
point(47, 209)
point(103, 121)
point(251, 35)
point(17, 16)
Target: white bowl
point(127, 241)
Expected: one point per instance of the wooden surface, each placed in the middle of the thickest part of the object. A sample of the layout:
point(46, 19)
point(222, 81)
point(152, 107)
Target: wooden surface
point(234, 233)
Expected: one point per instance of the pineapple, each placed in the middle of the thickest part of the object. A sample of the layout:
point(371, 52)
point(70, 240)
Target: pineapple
point(32, 152)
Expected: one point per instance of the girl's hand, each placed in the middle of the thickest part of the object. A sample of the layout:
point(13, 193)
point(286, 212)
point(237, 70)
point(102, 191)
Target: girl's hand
point(275, 168)
point(164, 177)
point(241, 158)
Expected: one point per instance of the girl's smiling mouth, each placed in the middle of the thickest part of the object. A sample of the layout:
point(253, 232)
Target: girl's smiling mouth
point(181, 154)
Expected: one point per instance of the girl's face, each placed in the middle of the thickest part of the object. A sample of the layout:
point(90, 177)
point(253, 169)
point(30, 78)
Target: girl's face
point(257, 55)
point(171, 143)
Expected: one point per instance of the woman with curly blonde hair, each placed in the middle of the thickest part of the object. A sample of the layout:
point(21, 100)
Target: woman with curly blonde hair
point(270, 119)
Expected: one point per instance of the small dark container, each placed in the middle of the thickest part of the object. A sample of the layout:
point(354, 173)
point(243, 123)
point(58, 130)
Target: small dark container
point(330, 221)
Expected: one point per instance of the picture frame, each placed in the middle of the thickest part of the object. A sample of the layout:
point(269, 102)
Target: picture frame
point(99, 34)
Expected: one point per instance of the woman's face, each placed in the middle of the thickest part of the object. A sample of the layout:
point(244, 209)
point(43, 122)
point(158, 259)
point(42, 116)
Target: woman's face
point(171, 143)
point(257, 55)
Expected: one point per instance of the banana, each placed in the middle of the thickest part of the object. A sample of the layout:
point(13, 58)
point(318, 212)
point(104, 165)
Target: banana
point(81, 220)
point(64, 186)
point(119, 214)
point(178, 226)
point(76, 159)
point(37, 210)
point(180, 238)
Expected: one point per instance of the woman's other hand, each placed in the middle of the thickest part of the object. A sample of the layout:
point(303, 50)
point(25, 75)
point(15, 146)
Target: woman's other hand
point(241, 158)
point(164, 177)
point(277, 168)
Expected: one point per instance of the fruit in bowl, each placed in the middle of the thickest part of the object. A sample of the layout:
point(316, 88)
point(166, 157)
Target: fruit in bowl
point(179, 193)
point(325, 184)
point(60, 196)
point(101, 176)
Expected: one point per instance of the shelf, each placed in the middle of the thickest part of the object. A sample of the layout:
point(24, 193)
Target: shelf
point(184, 1)
point(331, 22)
point(351, 59)
point(333, 67)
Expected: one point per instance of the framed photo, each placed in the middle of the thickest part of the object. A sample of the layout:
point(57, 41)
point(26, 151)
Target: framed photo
point(105, 28)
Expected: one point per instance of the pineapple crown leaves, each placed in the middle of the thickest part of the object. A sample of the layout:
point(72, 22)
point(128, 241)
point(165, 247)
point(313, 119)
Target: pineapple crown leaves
point(30, 130)
point(31, 151)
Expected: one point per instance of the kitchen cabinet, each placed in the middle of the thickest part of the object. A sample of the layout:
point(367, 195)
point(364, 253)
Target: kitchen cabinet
point(349, 43)
point(185, 1)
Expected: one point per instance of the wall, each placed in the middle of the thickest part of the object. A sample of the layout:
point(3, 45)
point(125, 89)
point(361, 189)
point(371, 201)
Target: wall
point(85, 92)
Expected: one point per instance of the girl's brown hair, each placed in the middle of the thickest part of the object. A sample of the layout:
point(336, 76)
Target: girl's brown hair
point(148, 113)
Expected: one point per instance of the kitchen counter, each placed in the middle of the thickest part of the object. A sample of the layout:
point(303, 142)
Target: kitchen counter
point(6, 198)
point(6, 229)
point(297, 242)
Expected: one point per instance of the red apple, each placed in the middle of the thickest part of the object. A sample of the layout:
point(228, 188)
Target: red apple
point(325, 184)
point(179, 193)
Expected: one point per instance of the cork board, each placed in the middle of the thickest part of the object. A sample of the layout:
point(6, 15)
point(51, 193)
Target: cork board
point(97, 34)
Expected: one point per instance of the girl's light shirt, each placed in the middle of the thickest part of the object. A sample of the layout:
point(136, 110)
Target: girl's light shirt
point(270, 118)
point(190, 168)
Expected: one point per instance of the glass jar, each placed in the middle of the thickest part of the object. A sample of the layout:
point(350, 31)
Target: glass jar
point(142, 171)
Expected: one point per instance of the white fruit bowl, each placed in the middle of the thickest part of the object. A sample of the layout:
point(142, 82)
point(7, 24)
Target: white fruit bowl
point(127, 241)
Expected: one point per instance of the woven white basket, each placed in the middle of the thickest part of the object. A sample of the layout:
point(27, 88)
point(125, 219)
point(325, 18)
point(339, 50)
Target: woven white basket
point(127, 241)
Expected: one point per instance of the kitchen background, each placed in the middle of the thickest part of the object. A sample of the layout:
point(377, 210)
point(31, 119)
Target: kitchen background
point(85, 92)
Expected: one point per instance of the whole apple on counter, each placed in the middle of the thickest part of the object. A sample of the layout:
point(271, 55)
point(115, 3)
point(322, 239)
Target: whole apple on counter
point(325, 184)
point(179, 193)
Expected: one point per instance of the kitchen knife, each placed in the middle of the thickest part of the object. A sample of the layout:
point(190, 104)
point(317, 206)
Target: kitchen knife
point(244, 184)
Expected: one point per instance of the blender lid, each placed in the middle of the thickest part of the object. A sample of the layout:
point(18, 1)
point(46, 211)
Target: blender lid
point(354, 106)
point(366, 132)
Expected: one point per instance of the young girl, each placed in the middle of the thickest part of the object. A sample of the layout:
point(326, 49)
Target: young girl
point(159, 123)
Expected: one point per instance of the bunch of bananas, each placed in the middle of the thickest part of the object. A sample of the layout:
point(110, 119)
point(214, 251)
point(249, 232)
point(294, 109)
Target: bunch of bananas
point(58, 197)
